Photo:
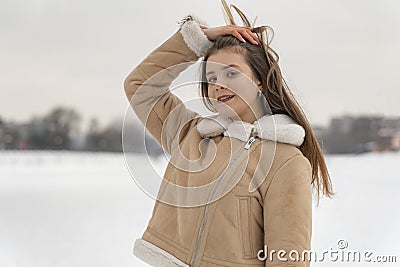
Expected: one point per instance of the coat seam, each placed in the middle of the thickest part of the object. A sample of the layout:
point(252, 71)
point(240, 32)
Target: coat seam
point(280, 167)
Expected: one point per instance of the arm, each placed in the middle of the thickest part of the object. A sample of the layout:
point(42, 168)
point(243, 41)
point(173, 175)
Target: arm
point(288, 213)
point(147, 86)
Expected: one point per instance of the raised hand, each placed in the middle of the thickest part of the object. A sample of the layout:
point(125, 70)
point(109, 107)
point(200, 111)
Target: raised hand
point(240, 32)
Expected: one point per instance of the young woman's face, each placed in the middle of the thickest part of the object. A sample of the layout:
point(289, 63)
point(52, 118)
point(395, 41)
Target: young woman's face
point(228, 74)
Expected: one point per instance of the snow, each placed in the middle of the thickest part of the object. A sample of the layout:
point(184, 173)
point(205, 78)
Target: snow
point(84, 209)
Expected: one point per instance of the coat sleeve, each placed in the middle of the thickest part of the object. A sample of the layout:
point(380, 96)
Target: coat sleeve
point(288, 214)
point(147, 87)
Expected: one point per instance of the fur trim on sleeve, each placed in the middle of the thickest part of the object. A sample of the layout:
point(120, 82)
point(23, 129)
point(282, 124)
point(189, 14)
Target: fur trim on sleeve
point(193, 36)
point(155, 256)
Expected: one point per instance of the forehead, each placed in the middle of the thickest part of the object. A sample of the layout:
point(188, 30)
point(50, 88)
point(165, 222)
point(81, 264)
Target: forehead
point(223, 58)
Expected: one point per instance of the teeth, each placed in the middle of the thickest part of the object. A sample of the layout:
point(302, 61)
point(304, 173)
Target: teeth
point(224, 97)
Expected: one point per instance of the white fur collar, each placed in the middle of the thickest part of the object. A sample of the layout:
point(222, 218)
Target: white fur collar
point(278, 127)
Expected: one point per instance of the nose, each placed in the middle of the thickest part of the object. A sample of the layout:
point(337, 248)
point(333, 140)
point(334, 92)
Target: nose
point(220, 87)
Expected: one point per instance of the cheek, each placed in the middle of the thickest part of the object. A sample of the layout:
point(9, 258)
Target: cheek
point(211, 91)
point(247, 91)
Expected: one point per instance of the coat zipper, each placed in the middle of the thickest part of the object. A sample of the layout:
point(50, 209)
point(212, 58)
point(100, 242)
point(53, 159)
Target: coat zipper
point(246, 147)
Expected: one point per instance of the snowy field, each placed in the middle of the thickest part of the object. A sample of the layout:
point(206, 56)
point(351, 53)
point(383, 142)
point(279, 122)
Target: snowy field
point(84, 209)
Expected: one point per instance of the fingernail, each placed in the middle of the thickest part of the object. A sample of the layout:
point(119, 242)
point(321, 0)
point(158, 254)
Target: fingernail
point(255, 42)
point(243, 40)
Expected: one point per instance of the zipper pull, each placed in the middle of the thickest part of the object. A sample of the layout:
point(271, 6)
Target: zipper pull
point(252, 138)
point(249, 142)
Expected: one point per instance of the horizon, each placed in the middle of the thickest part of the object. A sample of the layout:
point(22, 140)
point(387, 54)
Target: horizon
point(136, 121)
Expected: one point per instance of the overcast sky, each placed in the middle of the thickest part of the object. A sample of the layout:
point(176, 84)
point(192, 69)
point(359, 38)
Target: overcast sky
point(338, 56)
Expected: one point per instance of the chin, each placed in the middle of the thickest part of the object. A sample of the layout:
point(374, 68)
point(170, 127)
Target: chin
point(227, 112)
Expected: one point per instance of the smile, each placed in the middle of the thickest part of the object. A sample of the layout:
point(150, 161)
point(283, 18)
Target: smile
point(225, 98)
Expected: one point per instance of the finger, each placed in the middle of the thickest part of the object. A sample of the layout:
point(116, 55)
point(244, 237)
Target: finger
point(237, 26)
point(255, 36)
point(237, 35)
point(249, 36)
point(240, 31)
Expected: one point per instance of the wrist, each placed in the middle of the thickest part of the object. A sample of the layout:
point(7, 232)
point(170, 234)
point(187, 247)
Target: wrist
point(205, 31)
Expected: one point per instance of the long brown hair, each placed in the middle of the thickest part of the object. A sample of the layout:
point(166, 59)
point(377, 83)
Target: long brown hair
point(263, 61)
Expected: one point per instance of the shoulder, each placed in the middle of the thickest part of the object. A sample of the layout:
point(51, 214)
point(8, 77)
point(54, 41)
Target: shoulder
point(280, 154)
point(286, 163)
point(287, 154)
point(291, 161)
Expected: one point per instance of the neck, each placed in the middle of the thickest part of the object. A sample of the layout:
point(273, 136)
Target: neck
point(258, 110)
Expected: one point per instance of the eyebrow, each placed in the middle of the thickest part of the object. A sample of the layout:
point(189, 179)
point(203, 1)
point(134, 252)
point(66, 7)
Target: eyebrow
point(224, 68)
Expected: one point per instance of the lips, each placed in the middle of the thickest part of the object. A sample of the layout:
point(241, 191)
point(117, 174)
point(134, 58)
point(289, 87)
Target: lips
point(225, 98)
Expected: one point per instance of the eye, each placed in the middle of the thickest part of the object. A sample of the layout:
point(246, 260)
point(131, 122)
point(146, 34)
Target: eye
point(231, 73)
point(212, 80)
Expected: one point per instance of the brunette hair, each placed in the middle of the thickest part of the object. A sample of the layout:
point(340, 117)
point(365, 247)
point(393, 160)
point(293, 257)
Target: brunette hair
point(263, 61)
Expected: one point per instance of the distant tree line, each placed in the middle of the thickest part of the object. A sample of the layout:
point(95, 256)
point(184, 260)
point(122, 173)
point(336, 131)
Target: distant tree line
point(60, 129)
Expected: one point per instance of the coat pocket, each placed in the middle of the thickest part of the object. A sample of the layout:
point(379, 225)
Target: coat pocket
point(244, 223)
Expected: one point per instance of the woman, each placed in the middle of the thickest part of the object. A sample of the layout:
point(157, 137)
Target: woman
point(238, 187)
